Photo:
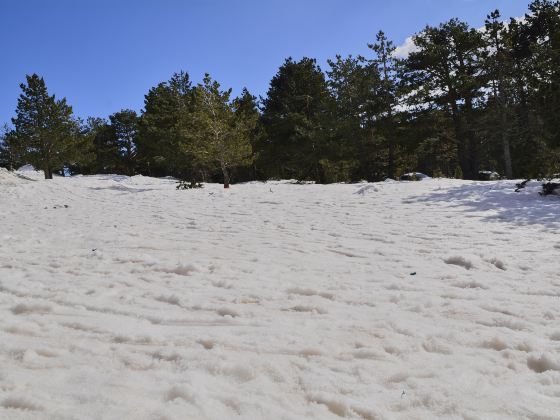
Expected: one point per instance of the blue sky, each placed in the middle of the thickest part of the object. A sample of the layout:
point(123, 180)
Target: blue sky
point(104, 55)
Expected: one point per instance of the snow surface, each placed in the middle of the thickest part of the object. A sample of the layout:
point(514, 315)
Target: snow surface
point(28, 168)
point(419, 176)
point(122, 298)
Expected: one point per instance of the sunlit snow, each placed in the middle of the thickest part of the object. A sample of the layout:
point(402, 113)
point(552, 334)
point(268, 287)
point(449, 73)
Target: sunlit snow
point(123, 298)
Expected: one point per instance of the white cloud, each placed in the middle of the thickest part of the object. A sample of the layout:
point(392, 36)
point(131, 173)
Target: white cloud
point(403, 50)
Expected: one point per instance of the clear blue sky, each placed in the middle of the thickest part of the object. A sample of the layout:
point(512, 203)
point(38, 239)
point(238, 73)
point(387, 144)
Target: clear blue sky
point(104, 55)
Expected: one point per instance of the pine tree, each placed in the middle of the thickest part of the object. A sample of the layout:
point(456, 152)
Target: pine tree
point(445, 72)
point(45, 133)
point(355, 143)
point(246, 110)
point(542, 27)
point(162, 129)
point(219, 137)
point(387, 67)
point(498, 69)
point(246, 107)
point(524, 133)
point(6, 154)
point(124, 125)
point(100, 136)
point(294, 118)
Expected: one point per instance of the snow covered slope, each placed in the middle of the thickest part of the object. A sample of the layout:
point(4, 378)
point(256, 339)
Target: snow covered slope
point(122, 298)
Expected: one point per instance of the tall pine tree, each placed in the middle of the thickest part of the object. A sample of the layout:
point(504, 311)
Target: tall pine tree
point(125, 129)
point(445, 72)
point(162, 131)
point(387, 67)
point(44, 133)
point(498, 70)
point(294, 118)
point(355, 145)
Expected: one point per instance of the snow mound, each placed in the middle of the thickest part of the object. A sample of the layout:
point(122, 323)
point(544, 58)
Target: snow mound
point(26, 172)
point(366, 188)
point(27, 168)
point(9, 178)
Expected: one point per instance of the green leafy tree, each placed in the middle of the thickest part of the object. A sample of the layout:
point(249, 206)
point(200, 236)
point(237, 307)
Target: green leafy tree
point(45, 132)
point(218, 137)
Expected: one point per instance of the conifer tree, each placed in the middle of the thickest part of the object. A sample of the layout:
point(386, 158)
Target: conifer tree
point(247, 113)
point(246, 107)
point(124, 126)
point(219, 137)
point(6, 154)
point(387, 67)
point(294, 118)
point(542, 26)
point(498, 68)
point(445, 72)
point(162, 129)
point(101, 137)
point(355, 143)
point(45, 133)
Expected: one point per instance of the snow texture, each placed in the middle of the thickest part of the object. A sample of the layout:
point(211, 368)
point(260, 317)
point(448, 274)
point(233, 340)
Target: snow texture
point(122, 298)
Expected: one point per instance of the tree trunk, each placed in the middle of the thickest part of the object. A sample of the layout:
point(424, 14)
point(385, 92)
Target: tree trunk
point(391, 144)
point(390, 131)
point(316, 165)
point(472, 141)
point(503, 127)
point(48, 172)
point(462, 157)
point(506, 146)
point(500, 95)
point(226, 176)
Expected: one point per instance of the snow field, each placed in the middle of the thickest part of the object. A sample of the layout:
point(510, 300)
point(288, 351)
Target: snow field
point(122, 298)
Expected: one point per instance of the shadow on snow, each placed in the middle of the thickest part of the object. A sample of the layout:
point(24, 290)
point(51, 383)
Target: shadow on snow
point(497, 201)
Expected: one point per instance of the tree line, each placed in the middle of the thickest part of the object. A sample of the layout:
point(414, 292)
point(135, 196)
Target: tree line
point(463, 100)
